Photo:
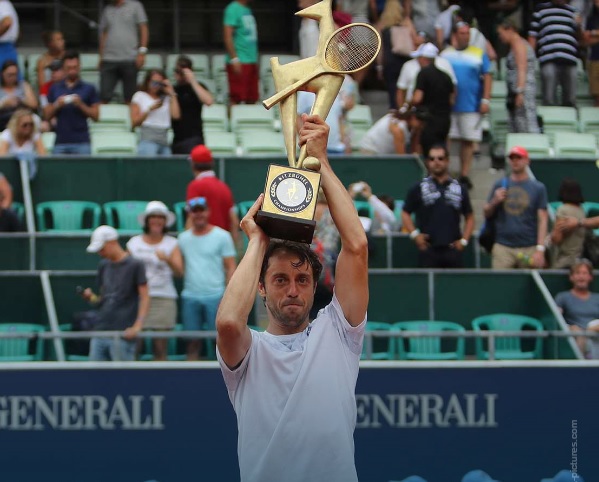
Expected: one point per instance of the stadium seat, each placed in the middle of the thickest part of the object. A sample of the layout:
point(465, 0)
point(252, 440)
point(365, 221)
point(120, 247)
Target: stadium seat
point(430, 347)
point(357, 133)
point(112, 117)
point(48, 140)
point(91, 77)
point(18, 349)
point(218, 67)
point(180, 215)
point(31, 73)
point(89, 62)
point(558, 119)
point(114, 143)
point(552, 208)
point(589, 120)
point(19, 210)
point(262, 143)
point(251, 118)
point(68, 215)
point(575, 145)
point(214, 118)
point(122, 215)
point(364, 208)
point(508, 348)
point(360, 117)
point(221, 143)
point(266, 71)
point(499, 91)
point(537, 145)
point(384, 353)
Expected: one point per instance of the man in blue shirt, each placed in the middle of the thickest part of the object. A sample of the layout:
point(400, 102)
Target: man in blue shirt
point(72, 101)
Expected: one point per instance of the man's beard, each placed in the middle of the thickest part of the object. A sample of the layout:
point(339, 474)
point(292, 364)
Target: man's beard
point(289, 320)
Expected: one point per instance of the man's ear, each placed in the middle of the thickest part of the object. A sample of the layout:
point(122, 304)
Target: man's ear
point(261, 290)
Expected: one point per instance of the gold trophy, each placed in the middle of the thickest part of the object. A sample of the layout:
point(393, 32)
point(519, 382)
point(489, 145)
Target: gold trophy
point(290, 192)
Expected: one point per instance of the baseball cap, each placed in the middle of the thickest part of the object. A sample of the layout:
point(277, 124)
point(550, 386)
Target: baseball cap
point(518, 151)
point(200, 154)
point(477, 476)
point(564, 476)
point(197, 202)
point(100, 237)
point(427, 50)
point(156, 208)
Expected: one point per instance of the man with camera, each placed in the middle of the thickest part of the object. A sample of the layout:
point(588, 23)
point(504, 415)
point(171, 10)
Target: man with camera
point(72, 101)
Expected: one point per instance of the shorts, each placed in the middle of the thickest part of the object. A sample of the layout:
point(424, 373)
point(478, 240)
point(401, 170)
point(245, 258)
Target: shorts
point(199, 313)
point(244, 87)
point(466, 126)
point(162, 314)
point(593, 72)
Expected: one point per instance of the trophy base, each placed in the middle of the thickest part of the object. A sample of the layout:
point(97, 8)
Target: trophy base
point(286, 227)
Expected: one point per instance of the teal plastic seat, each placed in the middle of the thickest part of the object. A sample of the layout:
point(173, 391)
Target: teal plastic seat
point(122, 215)
point(180, 215)
point(21, 349)
point(19, 210)
point(112, 117)
point(382, 348)
point(221, 143)
point(249, 117)
point(429, 347)
point(262, 143)
point(214, 118)
point(68, 215)
point(364, 208)
point(591, 209)
point(360, 117)
point(508, 348)
point(537, 145)
point(113, 143)
point(575, 145)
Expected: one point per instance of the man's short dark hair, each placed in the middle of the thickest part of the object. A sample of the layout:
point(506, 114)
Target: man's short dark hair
point(302, 251)
point(570, 192)
point(70, 54)
point(184, 62)
point(439, 146)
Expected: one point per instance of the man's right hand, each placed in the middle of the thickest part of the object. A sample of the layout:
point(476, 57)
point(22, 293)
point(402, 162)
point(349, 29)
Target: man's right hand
point(188, 75)
point(87, 294)
point(422, 241)
point(236, 66)
point(248, 223)
point(499, 196)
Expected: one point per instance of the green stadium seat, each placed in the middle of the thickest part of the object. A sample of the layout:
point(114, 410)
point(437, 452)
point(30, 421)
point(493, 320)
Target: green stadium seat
point(68, 215)
point(31, 73)
point(499, 91)
point(251, 118)
point(113, 143)
point(180, 215)
point(266, 71)
point(429, 348)
point(221, 143)
point(558, 119)
point(364, 208)
point(172, 348)
point(48, 139)
point(262, 143)
point(19, 210)
point(574, 145)
point(18, 349)
point(538, 145)
point(508, 348)
point(112, 117)
point(385, 352)
point(214, 118)
point(89, 61)
point(589, 120)
point(91, 77)
point(591, 209)
point(360, 117)
point(552, 208)
point(122, 215)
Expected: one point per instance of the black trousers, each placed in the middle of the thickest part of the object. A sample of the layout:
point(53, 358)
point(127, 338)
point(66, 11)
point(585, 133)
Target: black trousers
point(441, 257)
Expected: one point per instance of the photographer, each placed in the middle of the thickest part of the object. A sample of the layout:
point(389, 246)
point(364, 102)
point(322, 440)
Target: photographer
point(152, 109)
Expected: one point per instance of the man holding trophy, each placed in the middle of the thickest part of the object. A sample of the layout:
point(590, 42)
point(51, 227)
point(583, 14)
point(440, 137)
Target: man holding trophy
point(293, 386)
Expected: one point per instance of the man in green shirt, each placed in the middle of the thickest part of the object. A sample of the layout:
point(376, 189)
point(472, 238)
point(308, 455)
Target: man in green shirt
point(241, 42)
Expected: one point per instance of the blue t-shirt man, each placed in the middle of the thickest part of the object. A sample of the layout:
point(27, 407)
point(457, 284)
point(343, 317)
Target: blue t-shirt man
point(71, 122)
point(516, 222)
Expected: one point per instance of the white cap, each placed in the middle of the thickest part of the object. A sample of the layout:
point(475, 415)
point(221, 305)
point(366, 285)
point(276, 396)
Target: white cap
point(427, 50)
point(100, 237)
point(156, 208)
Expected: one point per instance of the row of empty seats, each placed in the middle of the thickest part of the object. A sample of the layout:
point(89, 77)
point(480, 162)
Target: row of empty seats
point(438, 348)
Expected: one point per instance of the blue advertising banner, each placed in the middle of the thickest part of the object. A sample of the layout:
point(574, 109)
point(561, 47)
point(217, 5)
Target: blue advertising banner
point(174, 422)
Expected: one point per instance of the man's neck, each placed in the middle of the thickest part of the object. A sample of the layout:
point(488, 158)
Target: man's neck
point(580, 292)
point(203, 230)
point(277, 329)
point(519, 177)
point(70, 83)
point(119, 256)
point(441, 179)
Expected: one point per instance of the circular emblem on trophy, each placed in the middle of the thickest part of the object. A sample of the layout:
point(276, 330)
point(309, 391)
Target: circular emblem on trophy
point(291, 192)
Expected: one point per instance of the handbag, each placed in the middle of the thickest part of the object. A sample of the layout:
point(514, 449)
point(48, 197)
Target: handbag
point(401, 40)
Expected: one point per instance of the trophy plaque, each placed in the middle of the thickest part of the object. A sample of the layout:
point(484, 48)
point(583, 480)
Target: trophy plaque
point(290, 192)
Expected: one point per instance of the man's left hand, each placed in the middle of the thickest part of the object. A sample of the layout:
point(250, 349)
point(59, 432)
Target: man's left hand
point(140, 60)
point(538, 259)
point(132, 332)
point(484, 108)
point(458, 245)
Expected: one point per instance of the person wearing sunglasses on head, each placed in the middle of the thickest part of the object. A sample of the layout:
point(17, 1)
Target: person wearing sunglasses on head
point(439, 202)
point(21, 136)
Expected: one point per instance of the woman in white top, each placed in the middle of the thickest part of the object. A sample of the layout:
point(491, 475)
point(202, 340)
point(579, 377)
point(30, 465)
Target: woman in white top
point(21, 136)
point(160, 254)
point(152, 108)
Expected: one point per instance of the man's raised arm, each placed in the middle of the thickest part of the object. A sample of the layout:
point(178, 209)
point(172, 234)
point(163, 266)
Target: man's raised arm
point(234, 337)
point(351, 277)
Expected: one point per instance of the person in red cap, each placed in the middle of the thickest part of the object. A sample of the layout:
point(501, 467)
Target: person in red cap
point(216, 192)
point(518, 204)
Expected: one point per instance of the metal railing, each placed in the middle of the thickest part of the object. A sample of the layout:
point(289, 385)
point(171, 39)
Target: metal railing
point(491, 336)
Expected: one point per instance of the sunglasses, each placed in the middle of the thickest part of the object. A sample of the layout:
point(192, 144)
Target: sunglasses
point(436, 158)
point(178, 71)
point(514, 156)
point(197, 203)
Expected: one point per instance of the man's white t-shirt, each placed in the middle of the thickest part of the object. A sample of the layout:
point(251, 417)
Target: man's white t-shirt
point(410, 70)
point(7, 10)
point(158, 273)
point(294, 397)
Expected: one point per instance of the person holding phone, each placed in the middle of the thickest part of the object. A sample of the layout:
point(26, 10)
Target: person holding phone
point(152, 109)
